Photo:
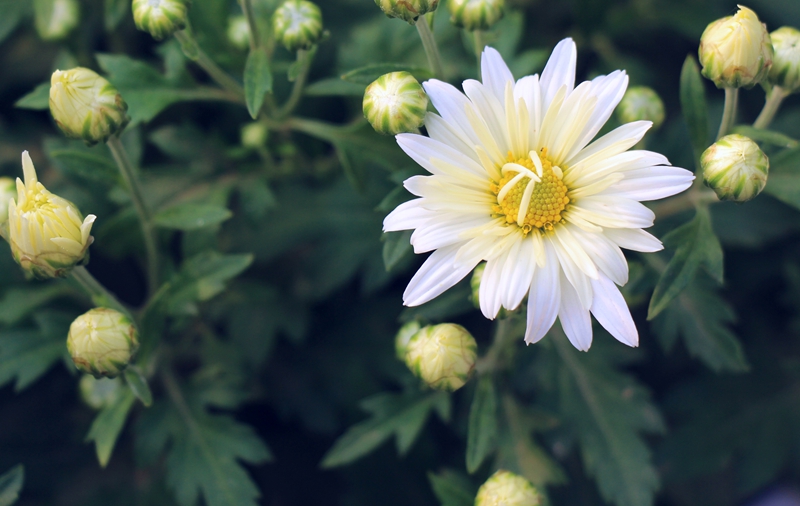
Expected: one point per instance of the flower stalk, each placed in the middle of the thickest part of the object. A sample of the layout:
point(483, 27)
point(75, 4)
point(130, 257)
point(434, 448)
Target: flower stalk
point(193, 51)
point(98, 293)
point(247, 8)
point(729, 112)
point(431, 48)
point(304, 58)
point(771, 106)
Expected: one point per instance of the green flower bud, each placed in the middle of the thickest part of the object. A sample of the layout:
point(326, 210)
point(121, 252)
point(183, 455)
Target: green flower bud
point(47, 234)
point(476, 14)
point(735, 168)
point(475, 284)
point(8, 190)
point(297, 24)
point(641, 103)
point(254, 135)
point(403, 337)
point(785, 71)
point(736, 51)
point(239, 32)
point(160, 18)
point(395, 103)
point(407, 10)
point(99, 393)
point(86, 106)
point(442, 355)
point(504, 488)
point(102, 342)
point(56, 18)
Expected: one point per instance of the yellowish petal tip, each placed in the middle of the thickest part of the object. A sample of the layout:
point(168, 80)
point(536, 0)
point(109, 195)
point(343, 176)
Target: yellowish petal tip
point(27, 169)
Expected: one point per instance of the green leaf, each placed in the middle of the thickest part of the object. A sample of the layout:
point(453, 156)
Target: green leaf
point(257, 80)
point(784, 177)
point(766, 136)
point(482, 430)
point(452, 488)
point(396, 247)
point(696, 245)
point(191, 216)
point(37, 100)
point(354, 169)
point(11, 485)
point(19, 302)
point(89, 166)
point(26, 354)
point(693, 105)
point(107, 426)
point(368, 73)
point(334, 87)
point(138, 385)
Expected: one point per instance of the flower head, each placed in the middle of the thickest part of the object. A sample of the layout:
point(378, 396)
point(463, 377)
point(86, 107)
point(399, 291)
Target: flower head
point(48, 235)
point(395, 103)
point(476, 14)
point(239, 32)
point(504, 488)
point(403, 337)
point(442, 355)
point(407, 10)
point(297, 24)
point(517, 182)
point(160, 18)
point(735, 168)
point(55, 19)
point(102, 342)
point(641, 103)
point(785, 71)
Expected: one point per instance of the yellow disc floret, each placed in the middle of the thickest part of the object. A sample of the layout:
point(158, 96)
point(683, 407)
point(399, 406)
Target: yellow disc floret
point(531, 193)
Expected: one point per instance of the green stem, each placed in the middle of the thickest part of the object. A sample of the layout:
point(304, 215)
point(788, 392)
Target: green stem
point(99, 294)
point(194, 52)
point(247, 8)
point(685, 201)
point(729, 113)
point(771, 106)
point(494, 358)
point(478, 35)
point(129, 173)
point(305, 58)
point(431, 49)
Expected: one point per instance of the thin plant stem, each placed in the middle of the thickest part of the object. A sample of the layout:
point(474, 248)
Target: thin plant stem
point(99, 294)
point(729, 113)
point(478, 37)
point(193, 50)
point(305, 58)
point(685, 201)
point(431, 49)
point(771, 106)
point(129, 173)
point(247, 8)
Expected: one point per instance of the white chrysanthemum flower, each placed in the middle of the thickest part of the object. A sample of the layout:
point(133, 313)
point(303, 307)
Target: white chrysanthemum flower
point(516, 182)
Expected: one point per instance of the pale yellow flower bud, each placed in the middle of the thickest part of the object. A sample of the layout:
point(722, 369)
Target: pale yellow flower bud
point(160, 18)
point(476, 14)
point(736, 51)
point(735, 168)
point(407, 10)
point(442, 355)
point(504, 488)
point(403, 337)
point(239, 32)
point(56, 18)
point(8, 190)
point(99, 393)
point(86, 106)
point(785, 71)
point(48, 235)
point(254, 135)
point(297, 24)
point(395, 103)
point(641, 103)
point(102, 342)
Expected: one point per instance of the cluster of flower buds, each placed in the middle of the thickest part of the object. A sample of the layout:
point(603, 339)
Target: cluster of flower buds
point(735, 168)
point(407, 10)
point(505, 488)
point(160, 18)
point(443, 356)
point(297, 24)
point(785, 71)
point(641, 103)
point(102, 342)
point(476, 14)
point(395, 103)
point(55, 19)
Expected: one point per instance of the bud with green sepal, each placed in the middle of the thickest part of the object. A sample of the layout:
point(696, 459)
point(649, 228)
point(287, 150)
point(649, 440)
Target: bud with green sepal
point(86, 106)
point(442, 355)
point(785, 71)
point(641, 103)
point(407, 10)
point(8, 190)
point(476, 14)
point(48, 235)
point(403, 337)
point(395, 103)
point(505, 488)
point(297, 24)
point(99, 393)
point(736, 51)
point(735, 168)
point(239, 32)
point(475, 285)
point(55, 19)
point(102, 342)
point(160, 18)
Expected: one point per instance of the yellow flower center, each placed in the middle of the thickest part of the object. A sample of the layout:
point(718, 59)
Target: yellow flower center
point(529, 203)
point(38, 200)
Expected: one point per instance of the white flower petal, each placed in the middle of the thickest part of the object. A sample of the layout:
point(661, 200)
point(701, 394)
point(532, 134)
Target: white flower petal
point(445, 230)
point(615, 142)
point(614, 212)
point(559, 71)
point(609, 90)
point(407, 216)
point(518, 273)
point(451, 105)
point(587, 173)
point(495, 73)
point(528, 89)
point(491, 110)
point(611, 311)
point(425, 151)
point(544, 298)
point(652, 183)
point(574, 275)
point(442, 131)
point(634, 239)
point(574, 317)
point(439, 272)
point(605, 254)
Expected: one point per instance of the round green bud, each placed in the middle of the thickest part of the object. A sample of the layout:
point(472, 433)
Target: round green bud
point(476, 14)
point(403, 337)
point(475, 284)
point(736, 51)
point(785, 71)
point(641, 103)
point(99, 393)
point(55, 19)
point(407, 10)
point(505, 488)
point(254, 135)
point(239, 32)
point(442, 355)
point(735, 168)
point(86, 106)
point(395, 103)
point(102, 342)
point(297, 24)
point(8, 190)
point(160, 18)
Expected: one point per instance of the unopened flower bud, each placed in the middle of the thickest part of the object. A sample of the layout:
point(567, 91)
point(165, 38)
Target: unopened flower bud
point(8, 190)
point(56, 18)
point(505, 488)
point(239, 32)
point(476, 14)
point(442, 355)
point(641, 103)
point(475, 284)
point(99, 393)
point(403, 337)
point(48, 235)
point(407, 10)
point(735, 168)
point(785, 71)
point(297, 24)
point(86, 106)
point(160, 18)
point(395, 103)
point(736, 51)
point(102, 342)
point(254, 135)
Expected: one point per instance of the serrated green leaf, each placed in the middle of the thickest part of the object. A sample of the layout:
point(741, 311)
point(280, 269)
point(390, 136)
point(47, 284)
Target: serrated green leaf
point(28, 354)
point(89, 166)
point(696, 245)
point(482, 429)
point(257, 80)
point(452, 488)
point(11, 485)
point(368, 73)
point(766, 136)
point(396, 247)
point(108, 424)
point(19, 302)
point(36, 100)
point(191, 216)
point(694, 107)
point(138, 385)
